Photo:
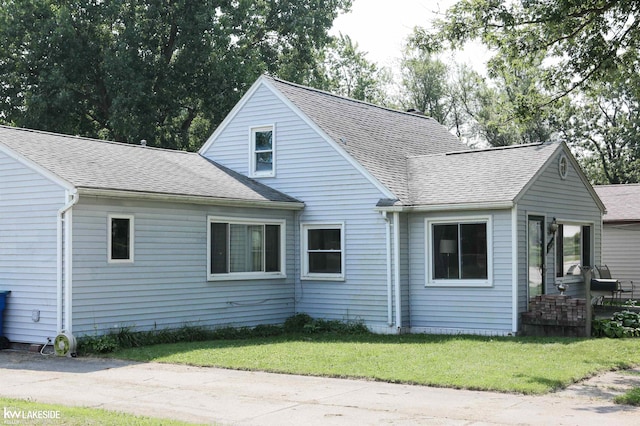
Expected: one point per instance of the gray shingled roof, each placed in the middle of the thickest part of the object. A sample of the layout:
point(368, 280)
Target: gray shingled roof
point(480, 176)
point(93, 164)
point(378, 138)
point(622, 202)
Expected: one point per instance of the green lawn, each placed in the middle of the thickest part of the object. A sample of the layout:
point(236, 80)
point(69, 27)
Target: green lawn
point(33, 413)
point(511, 364)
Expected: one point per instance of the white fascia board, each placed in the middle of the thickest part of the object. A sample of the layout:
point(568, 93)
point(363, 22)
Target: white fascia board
point(190, 199)
point(383, 189)
point(234, 111)
point(497, 205)
point(37, 168)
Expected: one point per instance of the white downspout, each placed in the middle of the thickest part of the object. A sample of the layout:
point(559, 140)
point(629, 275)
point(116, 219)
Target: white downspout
point(396, 243)
point(62, 212)
point(514, 269)
point(389, 282)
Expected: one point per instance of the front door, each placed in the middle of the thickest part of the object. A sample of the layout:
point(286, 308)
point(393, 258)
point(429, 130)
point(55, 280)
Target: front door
point(535, 255)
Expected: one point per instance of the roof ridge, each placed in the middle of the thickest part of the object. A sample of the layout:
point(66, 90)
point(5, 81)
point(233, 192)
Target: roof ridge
point(345, 98)
point(497, 148)
point(84, 138)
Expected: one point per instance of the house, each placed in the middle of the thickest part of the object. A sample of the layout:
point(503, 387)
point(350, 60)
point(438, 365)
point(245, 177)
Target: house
point(300, 201)
point(621, 231)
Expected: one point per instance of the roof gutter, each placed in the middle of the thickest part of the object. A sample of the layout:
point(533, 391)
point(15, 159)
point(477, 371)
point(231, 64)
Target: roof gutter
point(191, 199)
point(495, 205)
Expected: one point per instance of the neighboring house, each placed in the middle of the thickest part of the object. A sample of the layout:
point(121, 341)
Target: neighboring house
point(301, 201)
point(621, 233)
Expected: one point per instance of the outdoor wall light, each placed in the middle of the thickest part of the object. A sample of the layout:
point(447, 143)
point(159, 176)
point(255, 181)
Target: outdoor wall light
point(553, 228)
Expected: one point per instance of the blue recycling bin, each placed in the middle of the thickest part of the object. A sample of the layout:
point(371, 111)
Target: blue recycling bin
point(3, 304)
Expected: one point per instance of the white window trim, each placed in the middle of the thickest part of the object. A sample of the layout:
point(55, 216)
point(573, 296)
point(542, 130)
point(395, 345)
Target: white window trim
point(429, 281)
point(252, 150)
point(568, 279)
point(234, 276)
point(110, 218)
point(305, 274)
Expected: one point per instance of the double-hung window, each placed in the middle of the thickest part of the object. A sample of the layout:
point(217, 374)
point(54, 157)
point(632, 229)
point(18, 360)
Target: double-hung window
point(323, 251)
point(120, 239)
point(459, 252)
point(573, 249)
point(262, 160)
point(245, 249)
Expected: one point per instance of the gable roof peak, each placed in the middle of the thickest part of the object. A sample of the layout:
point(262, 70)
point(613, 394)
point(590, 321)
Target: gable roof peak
point(378, 139)
point(412, 112)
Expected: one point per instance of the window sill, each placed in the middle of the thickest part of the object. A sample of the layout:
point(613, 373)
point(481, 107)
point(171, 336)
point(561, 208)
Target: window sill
point(459, 283)
point(247, 276)
point(263, 175)
point(322, 277)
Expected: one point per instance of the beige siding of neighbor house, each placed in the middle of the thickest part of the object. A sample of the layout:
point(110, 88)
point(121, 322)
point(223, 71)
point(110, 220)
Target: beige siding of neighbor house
point(166, 285)
point(621, 253)
point(28, 251)
point(566, 200)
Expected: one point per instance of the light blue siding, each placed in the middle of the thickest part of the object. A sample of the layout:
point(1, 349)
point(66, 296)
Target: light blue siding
point(477, 310)
point(333, 190)
point(166, 286)
point(565, 200)
point(28, 222)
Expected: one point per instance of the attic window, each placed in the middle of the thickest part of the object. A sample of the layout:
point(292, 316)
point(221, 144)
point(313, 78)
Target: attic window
point(263, 151)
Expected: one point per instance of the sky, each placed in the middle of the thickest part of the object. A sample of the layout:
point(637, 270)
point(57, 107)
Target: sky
point(381, 27)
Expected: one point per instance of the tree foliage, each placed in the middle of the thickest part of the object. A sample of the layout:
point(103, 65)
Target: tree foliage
point(167, 71)
point(576, 63)
point(480, 112)
point(581, 40)
point(603, 126)
point(346, 71)
point(425, 84)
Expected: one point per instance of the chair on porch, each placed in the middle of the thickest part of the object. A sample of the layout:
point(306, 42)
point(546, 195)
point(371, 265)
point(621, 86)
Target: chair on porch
point(607, 283)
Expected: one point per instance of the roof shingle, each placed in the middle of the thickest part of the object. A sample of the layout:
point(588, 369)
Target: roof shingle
point(479, 176)
point(95, 164)
point(378, 138)
point(622, 202)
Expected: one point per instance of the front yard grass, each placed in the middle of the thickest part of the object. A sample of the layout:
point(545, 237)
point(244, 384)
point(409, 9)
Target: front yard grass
point(22, 412)
point(505, 364)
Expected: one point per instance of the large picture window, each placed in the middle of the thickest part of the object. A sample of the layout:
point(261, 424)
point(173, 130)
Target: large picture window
point(458, 252)
point(240, 249)
point(120, 239)
point(573, 249)
point(323, 251)
point(262, 151)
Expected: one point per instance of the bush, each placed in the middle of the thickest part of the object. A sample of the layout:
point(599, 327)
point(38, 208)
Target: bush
point(621, 324)
point(299, 323)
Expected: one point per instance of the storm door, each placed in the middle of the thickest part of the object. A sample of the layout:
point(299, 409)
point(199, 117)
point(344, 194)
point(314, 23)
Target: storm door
point(535, 255)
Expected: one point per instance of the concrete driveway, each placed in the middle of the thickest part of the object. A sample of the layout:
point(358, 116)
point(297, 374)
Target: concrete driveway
point(212, 395)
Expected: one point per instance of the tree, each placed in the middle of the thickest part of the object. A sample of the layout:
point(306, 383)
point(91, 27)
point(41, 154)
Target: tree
point(167, 71)
point(346, 71)
point(494, 112)
point(425, 84)
point(603, 127)
point(580, 40)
